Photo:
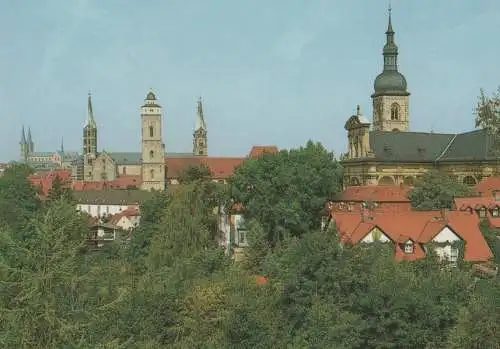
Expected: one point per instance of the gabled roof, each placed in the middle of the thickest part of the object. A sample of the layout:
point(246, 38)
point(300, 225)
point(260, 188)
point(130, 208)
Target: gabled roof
point(419, 226)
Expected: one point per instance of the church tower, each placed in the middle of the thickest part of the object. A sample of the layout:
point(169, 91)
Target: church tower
point(89, 142)
point(200, 145)
point(24, 147)
point(153, 148)
point(391, 98)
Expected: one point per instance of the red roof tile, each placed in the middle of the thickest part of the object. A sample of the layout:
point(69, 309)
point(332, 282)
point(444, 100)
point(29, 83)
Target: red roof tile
point(259, 150)
point(478, 202)
point(44, 180)
point(375, 193)
point(221, 167)
point(488, 185)
point(417, 226)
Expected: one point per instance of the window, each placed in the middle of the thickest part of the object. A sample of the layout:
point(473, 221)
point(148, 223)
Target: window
point(470, 181)
point(395, 111)
point(242, 236)
point(151, 154)
point(482, 212)
point(151, 131)
point(152, 173)
point(495, 212)
point(453, 254)
point(124, 170)
point(409, 247)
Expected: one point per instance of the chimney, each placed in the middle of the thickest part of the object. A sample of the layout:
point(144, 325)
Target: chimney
point(443, 213)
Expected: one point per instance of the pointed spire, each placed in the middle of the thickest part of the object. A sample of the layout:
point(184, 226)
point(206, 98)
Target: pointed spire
point(62, 145)
point(389, 26)
point(200, 120)
point(30, 140)
point(90, 112)
point(23, 136)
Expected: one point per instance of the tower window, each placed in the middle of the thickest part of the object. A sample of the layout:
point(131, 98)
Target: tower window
point(152, 173)
point(395, 111)
point(151, 131)
point(151, 154)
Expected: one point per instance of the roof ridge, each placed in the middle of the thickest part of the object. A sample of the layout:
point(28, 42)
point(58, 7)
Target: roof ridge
point(447, 147)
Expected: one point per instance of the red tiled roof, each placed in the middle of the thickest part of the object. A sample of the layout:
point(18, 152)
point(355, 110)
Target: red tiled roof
point(221, 167)
point(487, 186)
point(375, 193)
point(418, 226)
point(478, 202)
point(44, 180)
point(129, 212)
point(122, 182)
point(259, 150)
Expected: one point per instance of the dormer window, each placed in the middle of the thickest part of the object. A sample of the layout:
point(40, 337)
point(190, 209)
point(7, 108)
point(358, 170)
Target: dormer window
point(495, 212)
point(482, 212)
point(408, 247)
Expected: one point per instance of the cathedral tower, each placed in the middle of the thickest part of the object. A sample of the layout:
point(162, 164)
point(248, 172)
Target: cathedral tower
point(200, 145)
point(89, 142)
point(153, 148)
point(391, 98)
point(30, 143)
point(24, 147)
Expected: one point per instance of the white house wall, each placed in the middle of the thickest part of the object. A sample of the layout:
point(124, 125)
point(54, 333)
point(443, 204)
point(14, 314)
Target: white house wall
point(370, 237)
point(446, 235)
point(99, 210)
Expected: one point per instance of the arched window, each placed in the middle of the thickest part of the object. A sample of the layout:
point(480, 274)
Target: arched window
point(395, 111)
point(469, 180)
point(395, 130)
point(409, 180)
point(386, 181)
point(354, 181)
point(124, 170)
point(151, 131)
point(152, 173)
point(151, 154)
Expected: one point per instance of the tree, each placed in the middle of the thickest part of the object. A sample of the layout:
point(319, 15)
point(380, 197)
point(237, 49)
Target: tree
point(195, 173)
point(487, 113)
point(18, 198)
point(60, 190)
point(286, 192)
point(435, 190)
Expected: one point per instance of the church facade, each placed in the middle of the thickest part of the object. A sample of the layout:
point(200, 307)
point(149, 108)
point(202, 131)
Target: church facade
point(149, 163)
point(384, 151)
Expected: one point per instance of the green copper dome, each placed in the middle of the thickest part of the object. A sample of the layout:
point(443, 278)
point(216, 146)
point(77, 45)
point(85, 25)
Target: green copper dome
point(151, 96)
point(390, 82)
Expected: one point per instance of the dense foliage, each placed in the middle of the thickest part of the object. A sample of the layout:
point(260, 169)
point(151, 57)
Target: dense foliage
point(436, 190)
point(488, 117)
point(172, 286)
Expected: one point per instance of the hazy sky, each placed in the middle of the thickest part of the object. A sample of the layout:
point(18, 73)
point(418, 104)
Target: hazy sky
point(270, 72)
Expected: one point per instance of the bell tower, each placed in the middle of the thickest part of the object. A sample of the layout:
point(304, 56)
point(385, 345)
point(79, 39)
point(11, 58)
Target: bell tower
point(200, 146)
point(89, 142)
point(391, 98)
point(153, 148)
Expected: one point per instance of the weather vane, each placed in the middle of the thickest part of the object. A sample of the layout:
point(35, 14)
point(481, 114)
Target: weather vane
point(390, 7)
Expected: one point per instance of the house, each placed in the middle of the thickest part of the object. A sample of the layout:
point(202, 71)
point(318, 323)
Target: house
point(127, 219)
point(233, 230)
point(393, 197)
point(485, 207)
point(109, 202)
point(101, 233)
point(415, 234)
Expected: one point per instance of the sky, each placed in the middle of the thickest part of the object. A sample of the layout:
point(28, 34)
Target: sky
point(269, 72)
